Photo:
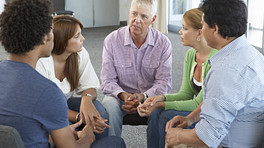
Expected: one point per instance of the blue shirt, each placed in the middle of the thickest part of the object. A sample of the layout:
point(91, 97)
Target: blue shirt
point(232, 114)
point(30, 103)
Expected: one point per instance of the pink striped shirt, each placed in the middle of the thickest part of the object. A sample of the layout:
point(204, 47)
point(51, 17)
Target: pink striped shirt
point(126, 68)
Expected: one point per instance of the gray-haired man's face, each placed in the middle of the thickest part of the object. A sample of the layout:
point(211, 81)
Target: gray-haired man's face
point(140, 18)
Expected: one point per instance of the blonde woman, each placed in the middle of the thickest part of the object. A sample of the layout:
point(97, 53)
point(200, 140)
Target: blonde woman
point(162, 108)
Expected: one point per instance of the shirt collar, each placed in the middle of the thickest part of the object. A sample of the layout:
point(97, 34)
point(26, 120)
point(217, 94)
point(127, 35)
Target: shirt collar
point(149, 40)
point(229, 48)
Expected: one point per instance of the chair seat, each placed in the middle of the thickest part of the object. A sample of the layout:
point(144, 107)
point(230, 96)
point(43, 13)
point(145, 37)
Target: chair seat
point(134, 119)
point(63, 12)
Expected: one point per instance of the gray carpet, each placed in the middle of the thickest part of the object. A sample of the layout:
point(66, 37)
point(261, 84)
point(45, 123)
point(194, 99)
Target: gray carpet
point(134, 136)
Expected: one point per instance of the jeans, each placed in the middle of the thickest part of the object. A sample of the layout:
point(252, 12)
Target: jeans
point(74, 104)
point(105, 142)
point(115, 114)
point(109, 142)
point(156, 126)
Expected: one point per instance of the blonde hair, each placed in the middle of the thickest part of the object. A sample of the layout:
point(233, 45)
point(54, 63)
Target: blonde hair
point(152, 3)
point(193, 18)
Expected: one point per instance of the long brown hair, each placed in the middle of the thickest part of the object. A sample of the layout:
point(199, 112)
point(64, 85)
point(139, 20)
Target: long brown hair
point(65, 27)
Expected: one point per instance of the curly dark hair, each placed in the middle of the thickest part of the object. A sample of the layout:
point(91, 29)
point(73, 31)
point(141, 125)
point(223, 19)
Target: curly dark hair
point(24, 23)
point(229, 15)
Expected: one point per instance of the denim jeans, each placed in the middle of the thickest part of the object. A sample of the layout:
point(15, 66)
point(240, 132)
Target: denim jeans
point(74, 104)
point(115, 114)
point(105, 142)
point(109, 142)
point(156, 126)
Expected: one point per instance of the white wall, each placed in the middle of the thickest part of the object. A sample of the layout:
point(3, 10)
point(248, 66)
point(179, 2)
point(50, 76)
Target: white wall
point(83, 10)
point(2, 3)
point(95, 13)
point(123, 10)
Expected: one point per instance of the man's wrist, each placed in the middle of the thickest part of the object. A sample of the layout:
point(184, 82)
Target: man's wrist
point(179, 135)
point(77, 117)
point(121, 96)
point(145, 97)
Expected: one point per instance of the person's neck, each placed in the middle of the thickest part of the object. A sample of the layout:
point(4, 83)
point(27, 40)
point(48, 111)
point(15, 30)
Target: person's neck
point(202, 48)
point(140, 39)
point(61, 58)
point(29, 58)
point(224, 41)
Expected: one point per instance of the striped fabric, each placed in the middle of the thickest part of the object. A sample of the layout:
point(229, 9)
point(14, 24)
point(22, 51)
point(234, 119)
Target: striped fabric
point(233, 109)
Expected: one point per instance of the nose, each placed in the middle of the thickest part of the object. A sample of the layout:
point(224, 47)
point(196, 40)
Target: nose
point(180, 32)
point(83, 38)
point(138, 19)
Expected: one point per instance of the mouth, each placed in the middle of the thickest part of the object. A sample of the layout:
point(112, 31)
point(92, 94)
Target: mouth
point(181, 39)
point(135, 26)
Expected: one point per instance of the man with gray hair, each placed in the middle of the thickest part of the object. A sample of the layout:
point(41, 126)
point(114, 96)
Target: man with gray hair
point(136, 64)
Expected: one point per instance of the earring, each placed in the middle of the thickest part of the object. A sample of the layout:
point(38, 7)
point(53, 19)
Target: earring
point(198, 39)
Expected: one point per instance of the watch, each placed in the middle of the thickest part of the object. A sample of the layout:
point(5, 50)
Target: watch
point(145, 96)
point(89, 95)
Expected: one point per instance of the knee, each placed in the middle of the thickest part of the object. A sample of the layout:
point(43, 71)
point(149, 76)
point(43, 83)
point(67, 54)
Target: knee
point(155, 114)
point(112, 105)
point(100, 108)
point(118, 142)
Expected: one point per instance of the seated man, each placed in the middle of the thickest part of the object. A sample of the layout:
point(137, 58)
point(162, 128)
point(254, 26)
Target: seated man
point(30, 103)
point(136, 64)
point(233, 107)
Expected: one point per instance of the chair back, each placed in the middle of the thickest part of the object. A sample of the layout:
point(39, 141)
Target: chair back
point(58, 5)
point(10, 138)
point(59, 8)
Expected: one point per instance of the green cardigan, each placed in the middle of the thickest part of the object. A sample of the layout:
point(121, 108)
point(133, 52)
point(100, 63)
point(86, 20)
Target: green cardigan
point(184, 100)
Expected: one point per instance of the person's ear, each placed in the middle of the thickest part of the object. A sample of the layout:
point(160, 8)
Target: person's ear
point(216, 29)
point(45, 39)
point(153, 19)
point(200, 33)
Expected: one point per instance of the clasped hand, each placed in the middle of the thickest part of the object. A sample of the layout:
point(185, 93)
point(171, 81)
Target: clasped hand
point(174, 128)
point(149, 105)
point(131, 102)
point(89, 113)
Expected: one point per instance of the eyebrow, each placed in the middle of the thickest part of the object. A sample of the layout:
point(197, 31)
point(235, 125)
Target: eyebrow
point(77, 33)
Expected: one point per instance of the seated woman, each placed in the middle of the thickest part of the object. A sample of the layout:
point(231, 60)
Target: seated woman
point(69, 66)
point(164, 107)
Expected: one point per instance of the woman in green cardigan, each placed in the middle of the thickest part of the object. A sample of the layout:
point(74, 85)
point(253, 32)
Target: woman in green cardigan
point(161, 109)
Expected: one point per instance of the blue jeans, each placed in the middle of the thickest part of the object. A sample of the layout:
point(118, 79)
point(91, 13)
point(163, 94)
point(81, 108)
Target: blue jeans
point(156, 126)
point(109, 142)
point(74, 104)
point(115, 114)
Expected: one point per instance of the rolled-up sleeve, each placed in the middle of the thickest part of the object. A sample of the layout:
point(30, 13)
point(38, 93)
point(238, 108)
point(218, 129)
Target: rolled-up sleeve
point(223, 98)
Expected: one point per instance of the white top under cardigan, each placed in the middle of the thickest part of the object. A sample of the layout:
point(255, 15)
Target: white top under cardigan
point(88, 77)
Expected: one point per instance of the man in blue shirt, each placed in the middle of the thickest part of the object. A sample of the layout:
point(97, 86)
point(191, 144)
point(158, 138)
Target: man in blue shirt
point(29, 102)
point(232, 113)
